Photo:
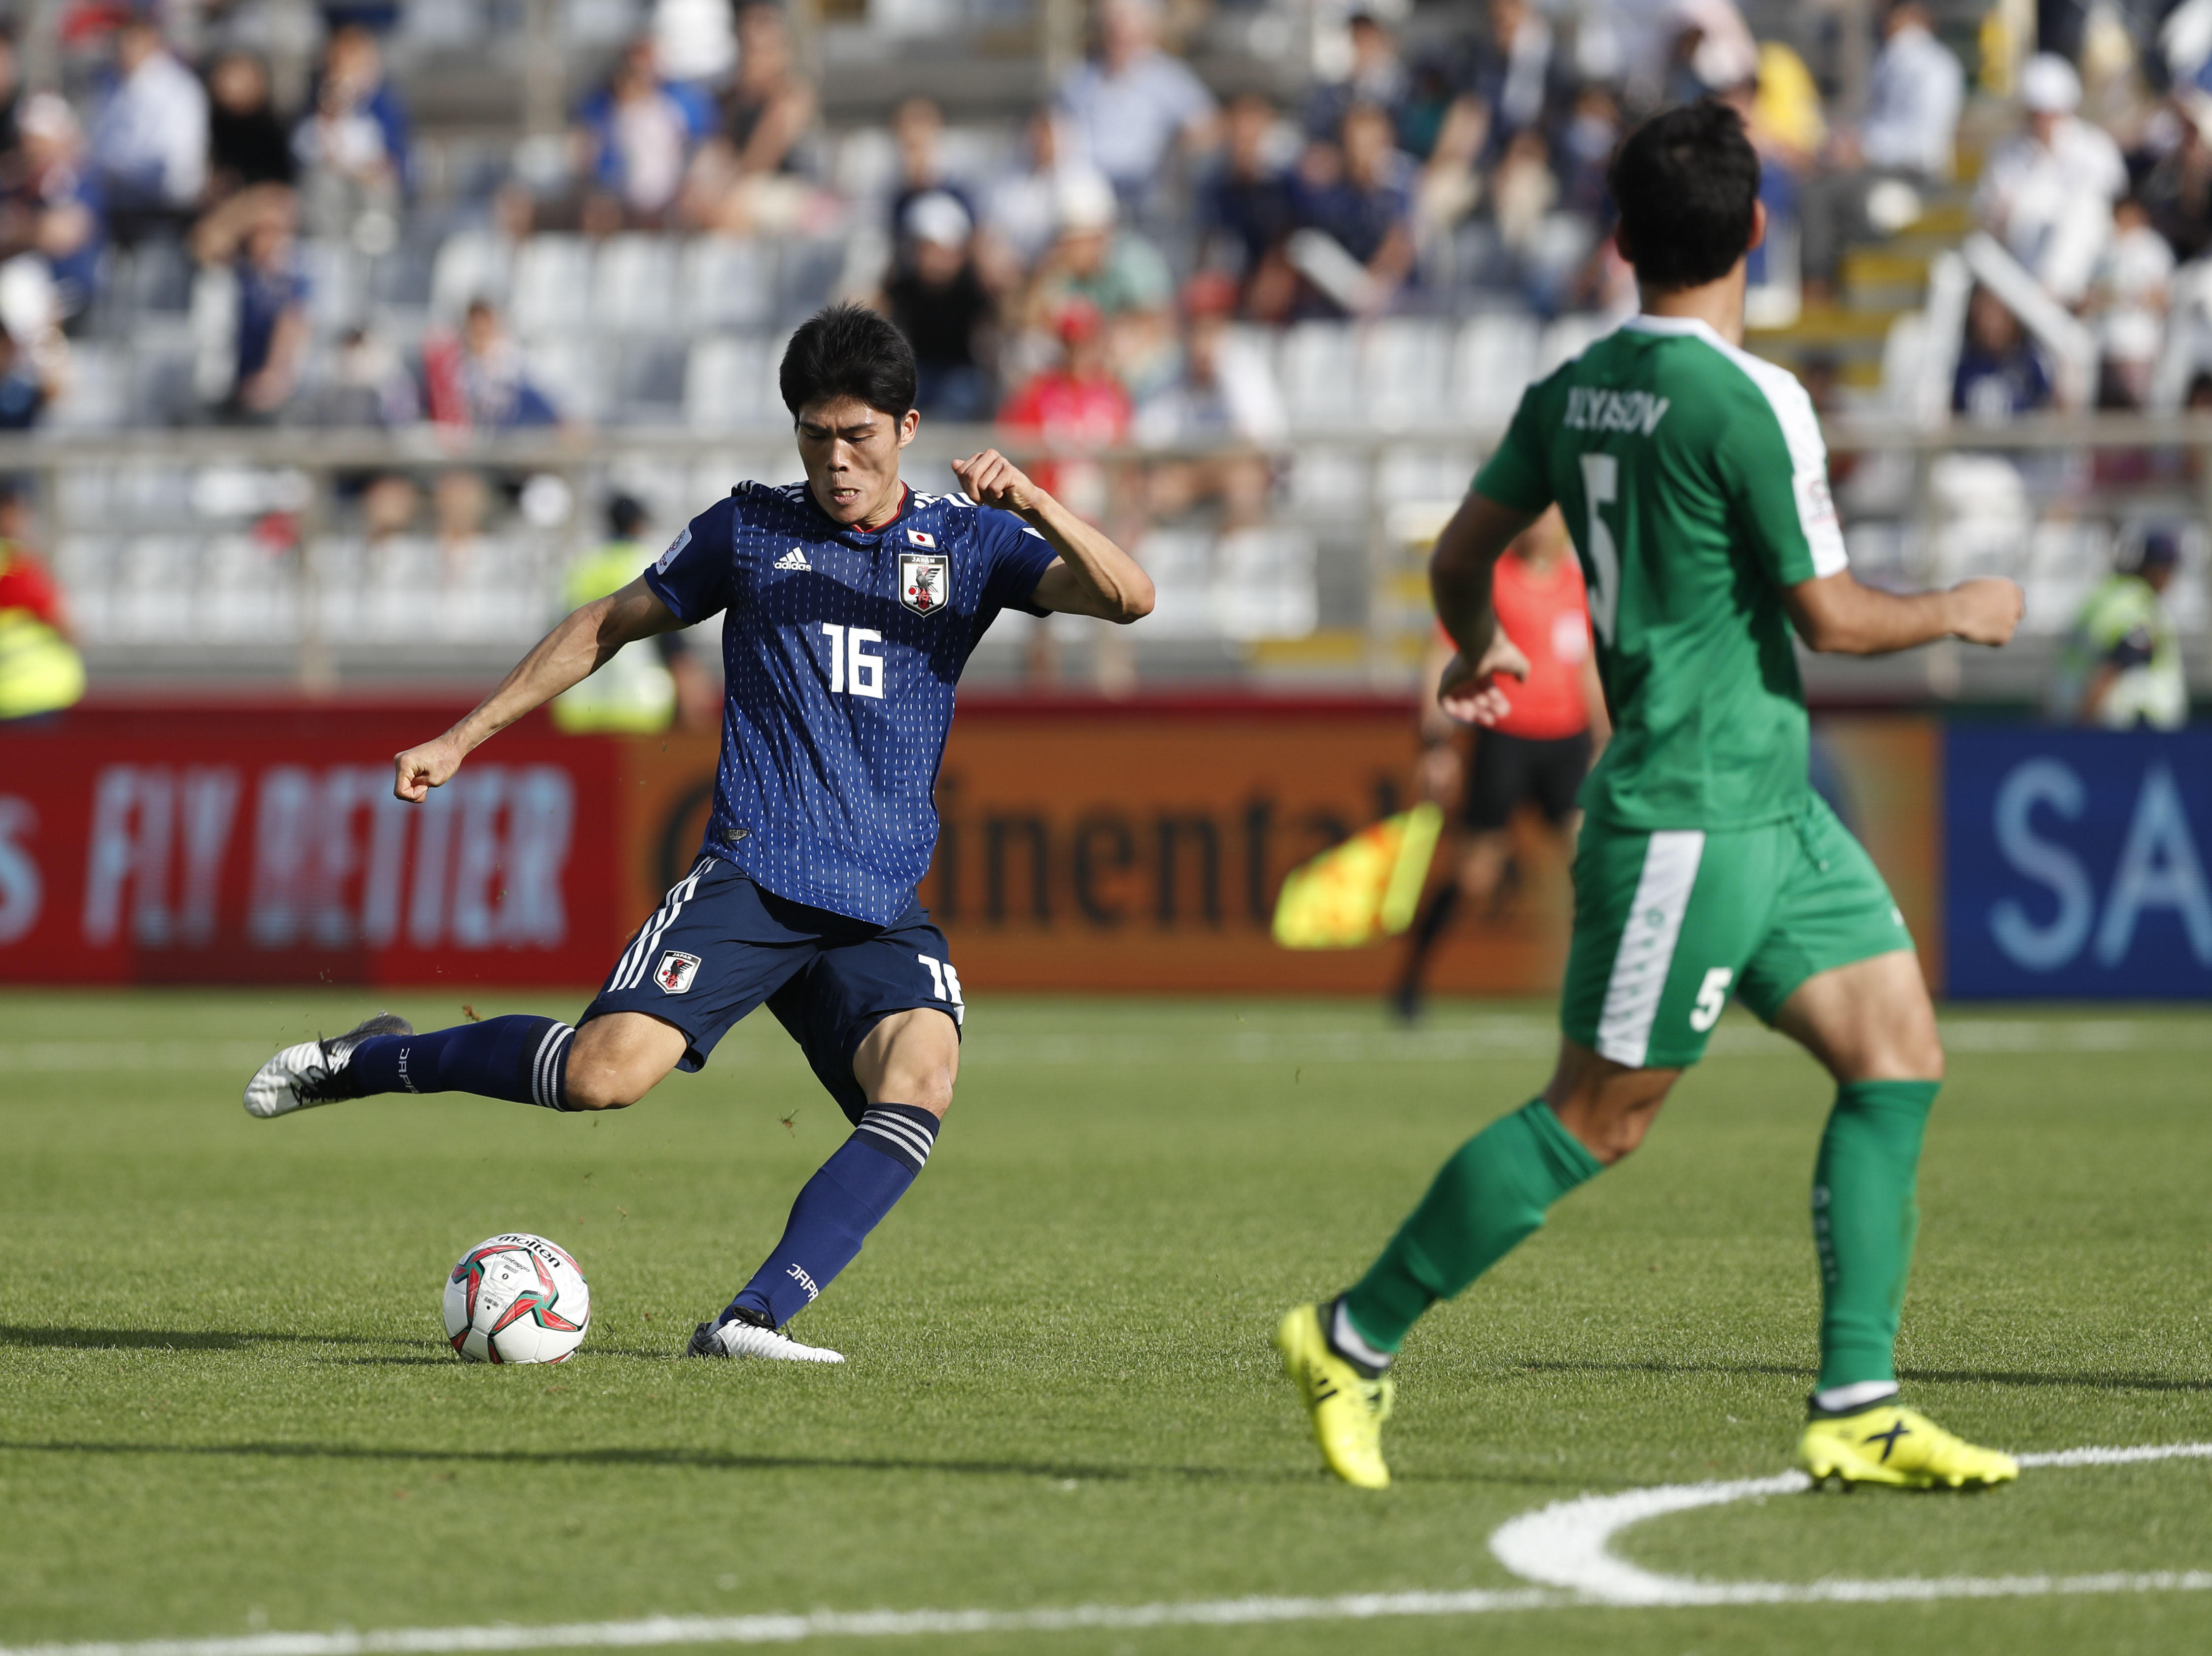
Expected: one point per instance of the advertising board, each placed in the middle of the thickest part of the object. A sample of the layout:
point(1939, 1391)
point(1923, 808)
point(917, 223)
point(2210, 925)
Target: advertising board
point(2075, 864)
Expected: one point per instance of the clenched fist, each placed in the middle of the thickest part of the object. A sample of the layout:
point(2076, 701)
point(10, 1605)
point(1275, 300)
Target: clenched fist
point(991, 479)
point(430, 765)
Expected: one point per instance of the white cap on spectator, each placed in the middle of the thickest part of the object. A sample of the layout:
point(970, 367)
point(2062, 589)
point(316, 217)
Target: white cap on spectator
point(937, 216)
point(2049, 86)
point(47, 115)
point(1085, 201)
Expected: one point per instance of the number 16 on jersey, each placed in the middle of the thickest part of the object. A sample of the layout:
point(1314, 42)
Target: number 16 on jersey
point(852, 671)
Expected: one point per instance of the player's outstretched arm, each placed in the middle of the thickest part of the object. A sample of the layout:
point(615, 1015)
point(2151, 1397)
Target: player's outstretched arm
point(1459, 580)
point(1837, 615)
point(1092, 576)
point(583, 642)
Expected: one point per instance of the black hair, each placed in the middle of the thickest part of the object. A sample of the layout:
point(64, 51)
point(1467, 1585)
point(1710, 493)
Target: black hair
point(1686, 183)
point(626, 515)
point(848, 350)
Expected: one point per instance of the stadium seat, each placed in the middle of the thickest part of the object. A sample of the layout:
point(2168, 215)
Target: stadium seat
point(552, 291)
point(634, 285)
point(470, 265)
point(569, 368)
point(1405, 364)
point(728, 384)
point(1317, 364)
point(1494, 361)
point(1180, 563)
point(98, 395)
point(727, 284)
point(1568, 338)
point(1264, 584)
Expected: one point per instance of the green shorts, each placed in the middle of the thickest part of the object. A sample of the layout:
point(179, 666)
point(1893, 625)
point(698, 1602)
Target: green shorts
point(1668, 924)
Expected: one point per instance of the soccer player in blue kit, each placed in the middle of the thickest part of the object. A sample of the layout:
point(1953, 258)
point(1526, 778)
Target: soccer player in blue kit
point(851, 603)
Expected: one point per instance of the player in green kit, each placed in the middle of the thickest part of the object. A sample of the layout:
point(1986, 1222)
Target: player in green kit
point(1694, 481)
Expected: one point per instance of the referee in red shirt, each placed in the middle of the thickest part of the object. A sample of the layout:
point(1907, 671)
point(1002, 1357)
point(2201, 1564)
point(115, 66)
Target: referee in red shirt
point(1538, 752)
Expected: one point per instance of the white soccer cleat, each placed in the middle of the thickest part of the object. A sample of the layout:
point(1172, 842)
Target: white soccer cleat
point(740, 1339)
point(314, 1072)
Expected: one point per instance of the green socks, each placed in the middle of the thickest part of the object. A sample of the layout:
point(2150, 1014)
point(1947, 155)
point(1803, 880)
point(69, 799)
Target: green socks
point(1864, 1213)
point(1488, 1198)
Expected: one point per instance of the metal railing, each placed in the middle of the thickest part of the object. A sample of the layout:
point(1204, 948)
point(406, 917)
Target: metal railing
point(227, 554)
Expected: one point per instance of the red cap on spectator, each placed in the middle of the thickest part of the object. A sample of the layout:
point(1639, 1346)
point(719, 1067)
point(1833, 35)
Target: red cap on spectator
point(1210, 292)
point(1078, 320)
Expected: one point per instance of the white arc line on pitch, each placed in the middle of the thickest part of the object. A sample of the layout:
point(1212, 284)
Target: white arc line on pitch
point(1564, 1545)
point(1569, 1544)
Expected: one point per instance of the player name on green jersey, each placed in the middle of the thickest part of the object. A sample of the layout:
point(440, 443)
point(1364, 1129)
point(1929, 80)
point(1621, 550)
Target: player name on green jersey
point(1695, 485)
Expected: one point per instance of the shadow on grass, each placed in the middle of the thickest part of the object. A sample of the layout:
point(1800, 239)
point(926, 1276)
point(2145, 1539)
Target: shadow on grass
point(174, 1339)
point(2091, 1382)
point(689, 1459)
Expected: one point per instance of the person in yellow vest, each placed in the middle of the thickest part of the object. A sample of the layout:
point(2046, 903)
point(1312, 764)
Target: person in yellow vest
point(649, 685)
point(40, 671)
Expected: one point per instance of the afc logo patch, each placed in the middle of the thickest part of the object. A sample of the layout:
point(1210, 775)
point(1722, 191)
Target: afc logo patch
point(925, 581)
point(675, 972)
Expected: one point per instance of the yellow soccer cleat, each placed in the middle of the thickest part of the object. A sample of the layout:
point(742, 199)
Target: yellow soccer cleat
point(1348, 1409)
point(1898, 1447)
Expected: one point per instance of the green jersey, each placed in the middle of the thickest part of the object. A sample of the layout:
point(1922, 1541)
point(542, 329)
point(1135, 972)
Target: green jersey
point(1695, 485)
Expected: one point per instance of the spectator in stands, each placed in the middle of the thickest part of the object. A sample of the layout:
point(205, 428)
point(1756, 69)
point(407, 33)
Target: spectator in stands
point(1352, 204)
point(150, 144)
point(478, 380)
point(635, 136)
point(1585, 148)
point(50, 202)
point(1377, 75)
point(272, 321)
point(2048, 193)
point(368, 388)
point(248, 147)
point(11, 90)
point(2002, 374)
point(1519, 74)
point(2133, 293)
point(1713, 50)
point(2121, 665)
point(2178, 190)
point(745, 178)
point(26, 385)
point(1907, 136)
point(1113, 271)
point(349, 181)
point(1244, 208)
point(40, 671)
point(917, 130)
point(1078, 404)
point(1129, 107)
point(354, 56)
point(1225, 394)
point(647, 686)
point(938, 301)
point(1021, 209)
point(1448, 191)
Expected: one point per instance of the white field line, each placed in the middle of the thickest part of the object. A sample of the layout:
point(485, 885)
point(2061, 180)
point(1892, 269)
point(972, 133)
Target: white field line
point(1569, 1545)
point(1491, 1038)
point(1564, 1545)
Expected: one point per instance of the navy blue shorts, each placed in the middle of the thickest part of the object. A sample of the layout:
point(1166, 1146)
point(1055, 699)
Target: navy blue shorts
point(718, 946)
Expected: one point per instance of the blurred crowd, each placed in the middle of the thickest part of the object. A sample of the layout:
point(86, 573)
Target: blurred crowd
point(1078, 278)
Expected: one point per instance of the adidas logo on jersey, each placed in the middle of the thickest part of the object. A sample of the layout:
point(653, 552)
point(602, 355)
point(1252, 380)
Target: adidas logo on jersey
point(794, 559)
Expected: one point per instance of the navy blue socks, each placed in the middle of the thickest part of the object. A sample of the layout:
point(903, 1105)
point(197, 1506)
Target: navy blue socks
point(522, 1058)
point(835, 1211)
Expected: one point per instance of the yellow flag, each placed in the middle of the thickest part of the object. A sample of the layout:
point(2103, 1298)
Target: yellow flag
point(1365, 889)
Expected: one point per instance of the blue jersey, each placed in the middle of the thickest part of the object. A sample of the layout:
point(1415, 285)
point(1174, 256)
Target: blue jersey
point(841, 650)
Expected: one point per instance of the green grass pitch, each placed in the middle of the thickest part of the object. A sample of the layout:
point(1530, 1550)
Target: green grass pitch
point(225, 1403)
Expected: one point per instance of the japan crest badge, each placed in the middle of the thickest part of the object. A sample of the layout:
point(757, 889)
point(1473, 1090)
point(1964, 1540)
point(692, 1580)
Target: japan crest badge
point(675, 972)
point(925, 581)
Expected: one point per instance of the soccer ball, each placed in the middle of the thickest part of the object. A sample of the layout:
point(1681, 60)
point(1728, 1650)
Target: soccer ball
point(517, 1298)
